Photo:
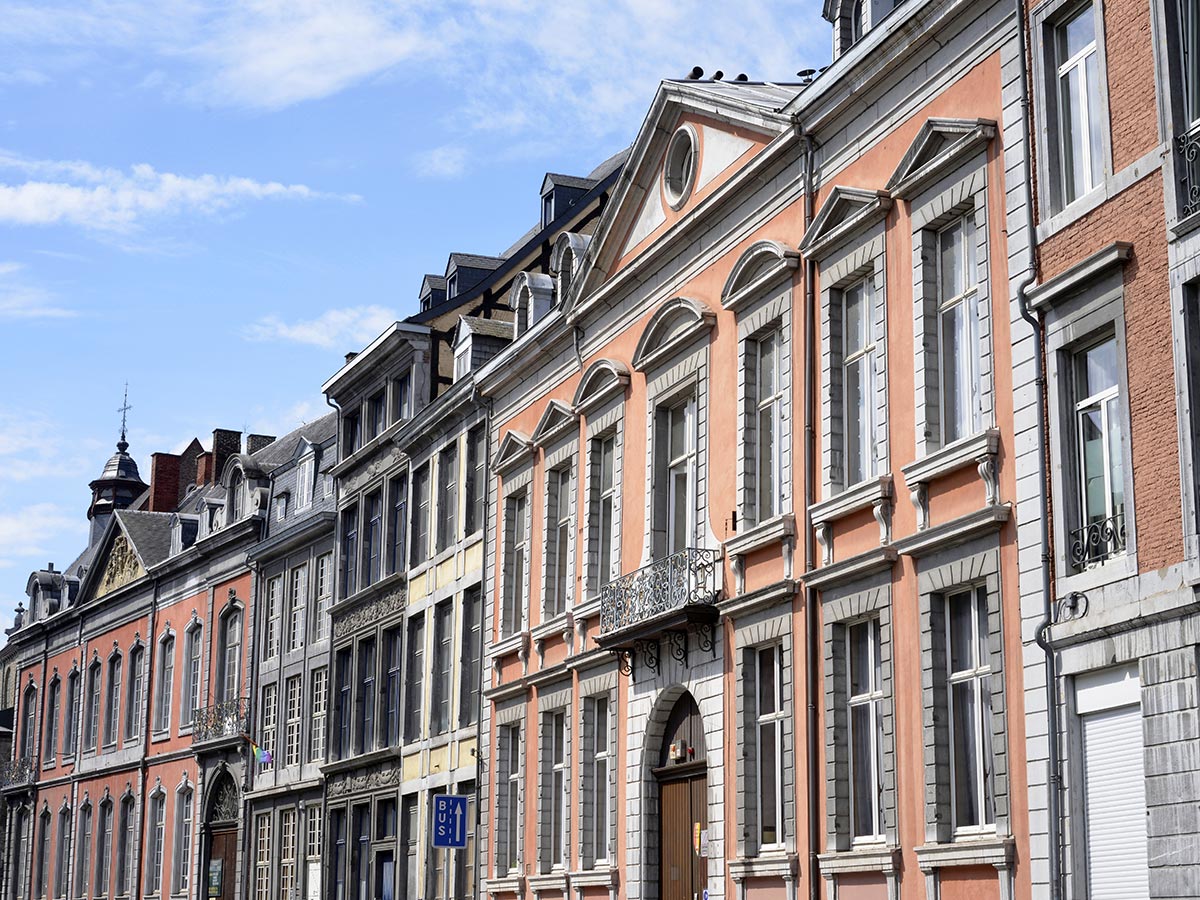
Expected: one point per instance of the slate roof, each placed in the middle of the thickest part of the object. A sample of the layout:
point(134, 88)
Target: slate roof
point(149, 532)
point(281, 450)
point(496, 328)
point(572, 181)
point(474, 261)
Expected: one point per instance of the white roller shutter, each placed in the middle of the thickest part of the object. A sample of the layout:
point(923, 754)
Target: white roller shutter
point(1115, 799)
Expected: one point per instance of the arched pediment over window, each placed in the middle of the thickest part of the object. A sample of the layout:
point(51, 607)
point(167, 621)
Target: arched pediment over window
point(677, 323)
point(603, 379)
point(763, 263)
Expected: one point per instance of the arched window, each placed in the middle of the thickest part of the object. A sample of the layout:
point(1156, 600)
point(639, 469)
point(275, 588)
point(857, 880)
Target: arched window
point(91, 729)
point(229, 674)
point(29, 723)
point(137, 693)
point(154, 852)
point(191, 673)
point(237, 498)
point(43, 855)
point(20, 852)
point(104, 847)
point(126, 841)
point(112, 700)
point(165, 683)
point(857, 22)
point(53, 710)
point(83, 858)
point(182, 843)
point(62, 861)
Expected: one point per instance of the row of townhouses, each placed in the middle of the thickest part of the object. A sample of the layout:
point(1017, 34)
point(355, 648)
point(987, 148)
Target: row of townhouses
point(805, 507)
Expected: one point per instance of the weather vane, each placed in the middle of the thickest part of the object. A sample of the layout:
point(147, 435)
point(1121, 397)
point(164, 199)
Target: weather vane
point(125, 408)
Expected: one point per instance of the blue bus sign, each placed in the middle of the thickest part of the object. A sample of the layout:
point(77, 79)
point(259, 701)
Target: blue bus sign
point(449, 821)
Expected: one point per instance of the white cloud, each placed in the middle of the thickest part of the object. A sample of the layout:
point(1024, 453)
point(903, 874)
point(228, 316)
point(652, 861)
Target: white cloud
point(348, 328)
point(448, 161)
point(31, 530)
point(78, 193)
point(21, 300)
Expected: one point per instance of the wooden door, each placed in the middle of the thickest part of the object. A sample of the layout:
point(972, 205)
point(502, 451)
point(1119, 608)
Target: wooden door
point(684, 812)
point(222, 860)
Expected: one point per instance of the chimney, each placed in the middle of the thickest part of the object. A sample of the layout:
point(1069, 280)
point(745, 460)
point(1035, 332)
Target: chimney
point(350, 356)
point(164, 482)
point(225, 444)
point(256, 442)
point(204, 468)
point(187, 467)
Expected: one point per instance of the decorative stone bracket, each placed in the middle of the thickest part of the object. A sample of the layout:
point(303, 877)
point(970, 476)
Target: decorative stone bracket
point(980, 450)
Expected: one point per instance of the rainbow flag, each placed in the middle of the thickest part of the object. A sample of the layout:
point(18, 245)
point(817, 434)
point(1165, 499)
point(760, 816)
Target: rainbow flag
point(261, 756)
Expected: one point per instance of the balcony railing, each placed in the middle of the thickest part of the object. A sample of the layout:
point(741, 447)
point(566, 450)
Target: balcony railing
point(224, 720)
point(17, 772)
point(691, 577)
point(1188, 147)
point(1098, 541)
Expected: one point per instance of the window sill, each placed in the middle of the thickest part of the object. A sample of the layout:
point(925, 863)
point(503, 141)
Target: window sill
point(561, 623)
point(157, 737)
point(773, 863)
point(602, 875)
point(513, 643)
point(509, 884)
point(985, 849)
point(952, 457)
point(1113, 570)
point(552, 881)
point(851, 569)
point(775, 529)
point(955, 532)
point(857, 497)
point(860, 858)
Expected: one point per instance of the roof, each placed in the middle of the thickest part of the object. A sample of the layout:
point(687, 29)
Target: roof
point(766, 95)
point(149, 532)
point(610, 165)
point(120, 466)
point(474, 261)
point(496, 328)
point(572, 181)
point(281, 450)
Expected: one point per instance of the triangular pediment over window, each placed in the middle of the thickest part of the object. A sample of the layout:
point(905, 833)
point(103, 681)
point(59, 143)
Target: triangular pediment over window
point(939, 146)
point(604, 378)
point(515, 449)
point(558, 421)
point(845, 213)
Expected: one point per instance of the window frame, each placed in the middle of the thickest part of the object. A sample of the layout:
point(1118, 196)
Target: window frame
point(777, 721)
point(516, 559)
point(872, 699)
point(164, 684)
point(975, 676)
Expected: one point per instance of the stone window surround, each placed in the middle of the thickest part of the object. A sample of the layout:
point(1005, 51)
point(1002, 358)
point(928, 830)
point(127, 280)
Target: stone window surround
point(605, 421)
point(752, 633)
point(841, 607)
point(973, 564)
point(564, 454)
point(1081, 304)
point(515, 483)
point(964, 191)
point(512, 714)
point(1043, 19)
point(557, 699)
point(1187, 375)
point(591, 688)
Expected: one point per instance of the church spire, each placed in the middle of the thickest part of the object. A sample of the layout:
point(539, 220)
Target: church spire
point(119, 485)
point(123, 444)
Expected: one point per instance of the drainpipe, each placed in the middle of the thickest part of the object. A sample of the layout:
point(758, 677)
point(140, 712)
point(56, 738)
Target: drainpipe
point(147, 691)
point(1054, 763)
point(480, 756)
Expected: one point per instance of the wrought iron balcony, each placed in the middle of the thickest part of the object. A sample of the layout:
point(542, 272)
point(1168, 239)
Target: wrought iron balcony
point(17, 772)
point(1095, 543)
point(683, 586)
point(221, 722)
point(1188, 147)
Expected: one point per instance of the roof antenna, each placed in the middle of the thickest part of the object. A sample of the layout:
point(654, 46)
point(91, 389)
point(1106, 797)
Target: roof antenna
point(123, 445)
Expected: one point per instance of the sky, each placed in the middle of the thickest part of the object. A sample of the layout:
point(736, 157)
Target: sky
point(214, 202)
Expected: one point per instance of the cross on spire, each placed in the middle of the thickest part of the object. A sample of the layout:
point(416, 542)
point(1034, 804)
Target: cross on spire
point(125, 408)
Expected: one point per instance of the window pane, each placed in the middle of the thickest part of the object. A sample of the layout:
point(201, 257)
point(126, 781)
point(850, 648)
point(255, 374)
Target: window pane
point(862, 767)
point(678, 432)
point(768, 769)
point(962, 636)
point(966, 754)
point(1116, 479)
point(856, 418)
point(860, 659)
point(954, 386)
point(1076, 34)
point(679, 510)
point(1100, 368)
point(1095, 490)
point(766, 462)
point(767, 676)
point(951, 261)
point(855, 318)
point(766, 366)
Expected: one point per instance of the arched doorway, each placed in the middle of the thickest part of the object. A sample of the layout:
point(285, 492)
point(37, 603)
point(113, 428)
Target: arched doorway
point(682, 777)
point(221, 826)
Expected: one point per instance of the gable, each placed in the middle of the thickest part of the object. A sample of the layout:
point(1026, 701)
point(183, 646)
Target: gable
point(121, 567)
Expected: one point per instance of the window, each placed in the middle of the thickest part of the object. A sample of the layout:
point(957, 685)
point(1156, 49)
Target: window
point(476, 483)
point(62, 860)
point(555, 791)
point(158, 811)
point(1077, 94)
point(91, 731)
point(397, 524)
point(452, 286)
point(508, 780)
point(1101, 530)
point(304, 481)
point(464, 873)
point(462, 361)
point(126, 842)
point(393, 659)
point(443, 636)
point(360, 862)
point(858, 389)
point(472, 650)
point(83, 852)
point(71, 729)
point(271, 632)
point(515, 540)
point(970, 702)
point(43, 855)
point(237, 496)
point(337, 830)
point(23, 840)
point(349, 551)
point(297, 601)
point(351, 433)
point(366, 695)
point(287, 853)
point(294, 691)
point(313, 852)
point(409, 836)
point(112, 701)
point(597, 777)
point(865, 664)
point(677, 482)
point(53, 711)
point(320, 616)
point(372, 557)
point(165, 685)
point(679, 172)
point(768, 715)
point(191, 675)
point(768, 424)
point(376, 415)
point(414, 686)
point(420, 516)
point(104, 848)
point(320, 699)
point(858, 25)
point(182, 850)
point(269, 718)
point(280, 504)
point(547, 209)
point(344, 672)
point(558, 570)
point(231, 656)
point(958, 330)
point(604, 503)
point(447, 530)
point(262, 857)
point(402, 396)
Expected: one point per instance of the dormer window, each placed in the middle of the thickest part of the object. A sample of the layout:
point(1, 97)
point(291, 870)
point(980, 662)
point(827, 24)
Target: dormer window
point(858, 25)
point(304, 481)
point(462, 360)
point(351, 433)
point(452, 286)
point(547, 208)
point(279, 511)
point(237, 497)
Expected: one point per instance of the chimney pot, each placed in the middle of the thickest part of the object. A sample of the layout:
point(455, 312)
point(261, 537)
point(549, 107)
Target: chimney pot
point(350, 356)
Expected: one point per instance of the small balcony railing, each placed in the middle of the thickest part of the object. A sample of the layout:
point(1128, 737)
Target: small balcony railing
point(1097, 542)
point(691, 577)
point(224, 720)
point(17, 772)
point(1188, 147)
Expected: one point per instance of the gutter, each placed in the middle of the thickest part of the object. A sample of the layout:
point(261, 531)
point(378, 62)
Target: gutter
point(1053, 702)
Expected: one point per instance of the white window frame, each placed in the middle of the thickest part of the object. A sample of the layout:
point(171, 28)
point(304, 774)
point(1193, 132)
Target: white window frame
point(1108, 403)
point(864, 358)
point(166, 684)
point(269, 718)
point(297, 604)
point(182, 850)
point(977, 677)
point(294, 719)
point(318, 708)
point(775, 720)
point(516, 562)
point(558, 790)
point(273, 614)
point(157, 828)
point(680, 463)
point(606, 500)
point(964, 303)
point(872, 699)
point(560, 522)
point(1087, 118)
point(768, 497)
point(262, 857)
point(602, 758)
point(509, 788)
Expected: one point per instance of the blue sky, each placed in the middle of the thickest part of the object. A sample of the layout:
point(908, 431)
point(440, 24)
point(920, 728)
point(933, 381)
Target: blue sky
point(215, 201)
